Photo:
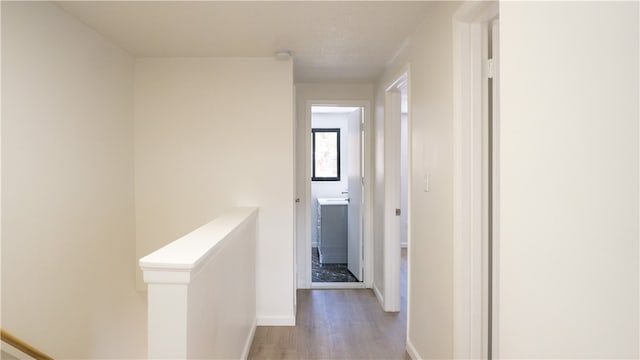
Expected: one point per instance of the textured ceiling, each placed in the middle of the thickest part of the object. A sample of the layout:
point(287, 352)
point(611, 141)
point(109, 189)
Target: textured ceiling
point(331, 40)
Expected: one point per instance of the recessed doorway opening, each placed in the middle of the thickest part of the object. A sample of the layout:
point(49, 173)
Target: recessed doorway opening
point(397, 172)
point(337, 195)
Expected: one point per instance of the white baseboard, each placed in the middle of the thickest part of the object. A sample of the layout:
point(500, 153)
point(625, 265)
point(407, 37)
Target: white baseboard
point(337, 285)
point(249, 341)
point(413, 353)
point(378, 295)
point(277, 320)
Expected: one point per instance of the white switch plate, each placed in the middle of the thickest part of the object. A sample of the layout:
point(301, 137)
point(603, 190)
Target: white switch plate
point(426, 183)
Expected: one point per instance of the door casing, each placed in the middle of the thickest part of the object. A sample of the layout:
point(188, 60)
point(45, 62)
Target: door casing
point(470, 310)
point(392, 195)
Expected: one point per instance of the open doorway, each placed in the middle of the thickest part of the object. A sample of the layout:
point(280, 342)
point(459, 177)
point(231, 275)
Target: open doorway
point(404, 188)
point(336, 195)
point(397, 199)
point(476, 187)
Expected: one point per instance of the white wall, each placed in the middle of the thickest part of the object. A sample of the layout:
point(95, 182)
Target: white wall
point(68, 248)
point(331, 189)
point(196, 309)
point(429, 53)
point(221, 299)
point(210, 134)
point(569, 180)
point(322, 92)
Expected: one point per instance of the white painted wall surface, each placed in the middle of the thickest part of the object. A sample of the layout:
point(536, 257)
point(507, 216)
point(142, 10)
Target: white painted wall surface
point(569, 180)
point(330, 189)
point(196, 309)
point(68, 248)
point(429, 53)
point(210, 134)
point(304, 93)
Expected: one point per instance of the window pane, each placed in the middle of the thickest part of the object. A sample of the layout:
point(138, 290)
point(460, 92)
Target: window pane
point(326, 152)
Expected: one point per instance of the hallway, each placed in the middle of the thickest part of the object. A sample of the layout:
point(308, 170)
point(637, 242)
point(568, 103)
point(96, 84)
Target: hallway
point(337, 324)
point(129, 125)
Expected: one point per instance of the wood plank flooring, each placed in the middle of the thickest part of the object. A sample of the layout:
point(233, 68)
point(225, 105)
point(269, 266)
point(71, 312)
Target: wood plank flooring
point(337, 324)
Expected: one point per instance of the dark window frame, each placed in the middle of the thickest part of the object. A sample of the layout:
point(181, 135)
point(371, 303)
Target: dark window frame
point(313, 158)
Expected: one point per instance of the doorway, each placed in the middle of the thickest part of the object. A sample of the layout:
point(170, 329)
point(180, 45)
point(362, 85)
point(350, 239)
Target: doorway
point(476, 188)
point(397, 170)
point(337, 135)
point(404, 188)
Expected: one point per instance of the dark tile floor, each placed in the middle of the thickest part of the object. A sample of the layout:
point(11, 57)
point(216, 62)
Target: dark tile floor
point(329, 272)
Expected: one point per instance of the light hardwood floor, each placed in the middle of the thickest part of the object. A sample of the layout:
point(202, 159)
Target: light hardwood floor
point(337, 324)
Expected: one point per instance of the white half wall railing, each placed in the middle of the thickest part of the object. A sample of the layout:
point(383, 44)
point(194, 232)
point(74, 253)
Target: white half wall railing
point(202, 291)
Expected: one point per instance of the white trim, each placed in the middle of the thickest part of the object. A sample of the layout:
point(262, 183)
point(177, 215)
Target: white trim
point(411, 350)
point(367, 209)
point(378, 294)
point(409, 201)
point(276, 320)
point(476, 11)
point(247, 344)
point(306, 269)
point(338, 285)
point(468, 202)
point(391, 201)
point(294, 197)
point(392, 143)
point(496, 189)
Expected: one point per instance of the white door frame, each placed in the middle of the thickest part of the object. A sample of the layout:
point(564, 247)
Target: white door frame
point(367, 194)
point(392, 197)
point(470, 268)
